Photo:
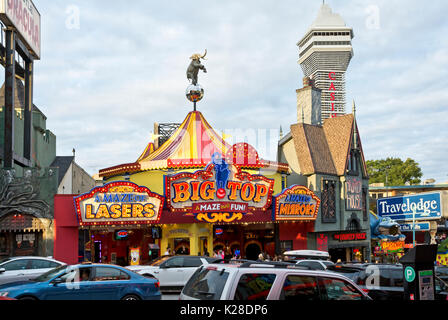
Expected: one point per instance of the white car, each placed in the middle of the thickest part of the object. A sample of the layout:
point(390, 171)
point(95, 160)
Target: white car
point(173, 272)
point(25, 268)
point(268, 281)
point(315, 264)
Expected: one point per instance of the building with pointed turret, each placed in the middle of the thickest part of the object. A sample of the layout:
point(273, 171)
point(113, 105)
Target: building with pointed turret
point(325, 52)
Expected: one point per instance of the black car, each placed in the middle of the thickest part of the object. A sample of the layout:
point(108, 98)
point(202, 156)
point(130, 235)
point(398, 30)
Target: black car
point(389, 280)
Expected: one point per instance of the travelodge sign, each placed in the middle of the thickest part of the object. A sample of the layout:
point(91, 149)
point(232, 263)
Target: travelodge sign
point(119, 203)
point(220, 193)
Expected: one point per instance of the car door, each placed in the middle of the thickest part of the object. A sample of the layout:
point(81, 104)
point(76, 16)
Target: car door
point(108, 283)
point(170, 272)
point(190, 265)
point(14, 270)
point(74, 284)
point(337, 289)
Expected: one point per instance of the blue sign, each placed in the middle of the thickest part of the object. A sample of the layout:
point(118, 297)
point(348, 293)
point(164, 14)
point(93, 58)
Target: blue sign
point(418, 227)
point(427, 206)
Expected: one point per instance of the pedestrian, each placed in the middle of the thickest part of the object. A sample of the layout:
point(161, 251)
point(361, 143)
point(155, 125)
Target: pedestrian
point(168, 251)
point(260, 256)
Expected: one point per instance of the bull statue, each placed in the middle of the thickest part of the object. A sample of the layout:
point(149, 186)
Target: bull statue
point(195, 65)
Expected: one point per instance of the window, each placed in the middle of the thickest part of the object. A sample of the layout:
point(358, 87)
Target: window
point(254, 286)
point(176, 262)
point(285, 245)
point(336, 289)
point(397, 277)
point(300, 288)
point(43, 264)
point(365, 214)
point(328, 201)
point(192, 262)
point(76, 274)
point(109, 274)
point(21, 264)
point(311, 264)
point(206, 284)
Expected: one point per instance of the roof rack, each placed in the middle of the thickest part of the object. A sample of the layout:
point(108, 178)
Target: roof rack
point(273, 264)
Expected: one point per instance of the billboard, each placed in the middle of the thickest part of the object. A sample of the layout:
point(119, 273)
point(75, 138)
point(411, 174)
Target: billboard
point(118, 203)
point(296, 203)
point(23, 15)
point(427, 206)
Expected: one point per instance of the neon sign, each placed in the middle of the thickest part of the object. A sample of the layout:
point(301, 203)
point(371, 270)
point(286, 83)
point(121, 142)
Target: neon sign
point(350, 236)
point(119, 203)
point(296, 203)
point(220, 193)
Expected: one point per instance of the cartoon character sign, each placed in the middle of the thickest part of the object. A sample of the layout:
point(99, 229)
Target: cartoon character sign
point(222, 174)
point(135, 256)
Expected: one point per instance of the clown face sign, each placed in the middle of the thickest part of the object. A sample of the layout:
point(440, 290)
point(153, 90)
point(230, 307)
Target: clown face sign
point(220, 193)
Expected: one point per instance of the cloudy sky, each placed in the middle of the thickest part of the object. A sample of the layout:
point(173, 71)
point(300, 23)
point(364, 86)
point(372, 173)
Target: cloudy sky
point(110, 69)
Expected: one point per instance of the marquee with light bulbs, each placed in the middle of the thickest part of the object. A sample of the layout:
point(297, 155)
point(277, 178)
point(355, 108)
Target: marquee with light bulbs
point(119, 203)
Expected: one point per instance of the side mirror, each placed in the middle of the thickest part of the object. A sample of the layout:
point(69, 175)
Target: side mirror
point(2, 270)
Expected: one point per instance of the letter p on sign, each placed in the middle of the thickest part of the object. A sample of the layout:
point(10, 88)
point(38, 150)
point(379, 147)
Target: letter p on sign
point(409, 274)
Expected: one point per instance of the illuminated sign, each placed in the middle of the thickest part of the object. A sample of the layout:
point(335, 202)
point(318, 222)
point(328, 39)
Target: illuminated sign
point(220, 193)
point(350, 236)
point(24, 17)
point(219, 231)
point(121, 235)
point(332, 78)
point(392, 245)
point(296, 203)
point(353, 193)
point(119, 203)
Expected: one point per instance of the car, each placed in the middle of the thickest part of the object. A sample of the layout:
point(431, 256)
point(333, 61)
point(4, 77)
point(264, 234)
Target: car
point(25, 268)
point(315, 264)
point(85, 282)
point(172, 271)
point(268, 281)
point(390, 284)
point(442, 272)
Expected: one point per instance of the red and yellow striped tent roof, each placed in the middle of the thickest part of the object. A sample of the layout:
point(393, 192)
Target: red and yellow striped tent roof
point(191, 146)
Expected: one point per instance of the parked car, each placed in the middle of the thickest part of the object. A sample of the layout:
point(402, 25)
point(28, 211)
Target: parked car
point(173, 272)
point(390, 284)
point(268, 281)
point(442, 272)
point(25, 268)
point(85, 282)
point(315, 264)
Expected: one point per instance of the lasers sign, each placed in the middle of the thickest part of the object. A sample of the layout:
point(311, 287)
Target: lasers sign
point(296, 203)
point(23, 15)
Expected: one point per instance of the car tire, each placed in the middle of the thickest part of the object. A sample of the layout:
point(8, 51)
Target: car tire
point(131, 297)
point(29, 298)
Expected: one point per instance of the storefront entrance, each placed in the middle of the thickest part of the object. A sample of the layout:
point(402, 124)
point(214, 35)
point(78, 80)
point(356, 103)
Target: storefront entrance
point(116, 246)
point(252, 251)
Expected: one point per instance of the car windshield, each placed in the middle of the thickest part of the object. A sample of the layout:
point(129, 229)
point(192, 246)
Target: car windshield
point(159, 261)
point(50, 274)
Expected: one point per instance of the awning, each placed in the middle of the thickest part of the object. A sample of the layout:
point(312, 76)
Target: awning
point(21, 223)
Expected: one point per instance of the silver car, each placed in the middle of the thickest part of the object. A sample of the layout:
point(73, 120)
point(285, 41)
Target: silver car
point(268, 281)
point(25, 268)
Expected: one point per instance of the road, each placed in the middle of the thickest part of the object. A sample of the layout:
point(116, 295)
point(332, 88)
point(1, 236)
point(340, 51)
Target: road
point(170, 296)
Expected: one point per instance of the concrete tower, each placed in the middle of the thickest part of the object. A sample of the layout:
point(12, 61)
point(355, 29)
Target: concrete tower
point(324, 55)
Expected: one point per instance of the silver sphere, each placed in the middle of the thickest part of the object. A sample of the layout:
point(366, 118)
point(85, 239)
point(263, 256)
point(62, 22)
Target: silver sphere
point(195, 93)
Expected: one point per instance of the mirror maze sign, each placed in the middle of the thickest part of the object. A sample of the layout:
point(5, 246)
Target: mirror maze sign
point(296, 203)
point(119, 203)
point(219, 193)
